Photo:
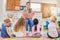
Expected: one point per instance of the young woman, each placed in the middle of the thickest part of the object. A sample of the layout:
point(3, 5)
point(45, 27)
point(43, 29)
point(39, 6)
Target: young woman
point(19, 28)
point(28, 14)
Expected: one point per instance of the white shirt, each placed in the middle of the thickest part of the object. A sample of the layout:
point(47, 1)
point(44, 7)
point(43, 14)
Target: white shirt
point(52, 31)
point(19, 33)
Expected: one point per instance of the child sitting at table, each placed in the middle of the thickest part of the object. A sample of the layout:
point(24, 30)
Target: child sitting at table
point(5, 33)
point(36, 28)
point(19, 28)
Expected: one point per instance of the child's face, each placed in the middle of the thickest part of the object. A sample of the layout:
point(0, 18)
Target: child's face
point(7, 24)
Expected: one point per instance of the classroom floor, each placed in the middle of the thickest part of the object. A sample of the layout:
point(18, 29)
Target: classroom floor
point(44, 37)
point(28, 39)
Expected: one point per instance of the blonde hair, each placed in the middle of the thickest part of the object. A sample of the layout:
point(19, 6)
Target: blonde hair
point(53, 19)
point(19, 25)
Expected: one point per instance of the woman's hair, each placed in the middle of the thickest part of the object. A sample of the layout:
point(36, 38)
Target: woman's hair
point(35, 23)
point(19, 25)
point(27, 3)
point(7, 20)
point(53, 19)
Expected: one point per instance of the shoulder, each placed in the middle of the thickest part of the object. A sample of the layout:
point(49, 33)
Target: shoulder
point(51, 24)
point(38, 25)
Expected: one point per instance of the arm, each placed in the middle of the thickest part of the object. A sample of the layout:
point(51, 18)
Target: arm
point(24, 15)
point(57, 27)
point(39, 29)
point(33, 31)
point(8, 32)
point(32, 14)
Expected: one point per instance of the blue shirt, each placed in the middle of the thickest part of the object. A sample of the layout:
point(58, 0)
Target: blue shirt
point(3, 32)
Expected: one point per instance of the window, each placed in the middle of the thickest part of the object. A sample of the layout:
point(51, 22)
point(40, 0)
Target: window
point(36, 7)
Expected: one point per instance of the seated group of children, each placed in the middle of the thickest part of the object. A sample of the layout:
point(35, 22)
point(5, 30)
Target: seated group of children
point(20, 29)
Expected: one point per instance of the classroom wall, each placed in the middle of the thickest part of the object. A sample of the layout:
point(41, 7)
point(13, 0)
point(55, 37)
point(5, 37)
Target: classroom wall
point(11, 12)
point(58, 3)
point(22, 3)
point(1, 10)
point(45, 1)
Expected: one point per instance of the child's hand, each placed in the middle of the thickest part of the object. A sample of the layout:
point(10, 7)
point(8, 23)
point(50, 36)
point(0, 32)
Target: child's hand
point(13, 35)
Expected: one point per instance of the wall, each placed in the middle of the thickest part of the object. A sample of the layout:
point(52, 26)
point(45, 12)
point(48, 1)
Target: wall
point(45, 1)
point(58, 3)
point(23, 3)
point(1, 10)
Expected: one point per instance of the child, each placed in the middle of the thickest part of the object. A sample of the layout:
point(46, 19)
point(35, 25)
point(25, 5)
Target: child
point(19, 28)
point(36, 28)
point(5, 29)
point(52, 28)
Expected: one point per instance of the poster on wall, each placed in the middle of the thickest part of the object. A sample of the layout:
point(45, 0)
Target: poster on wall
point(13, 5)
point(46, 10)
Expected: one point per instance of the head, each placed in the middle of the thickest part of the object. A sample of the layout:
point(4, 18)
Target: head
point(35, 21)
point(19, 25)
point(53, 19)
point(7, 22)
point(28, 5)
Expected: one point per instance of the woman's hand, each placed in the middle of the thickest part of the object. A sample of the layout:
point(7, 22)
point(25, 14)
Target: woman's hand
point(32, 14)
